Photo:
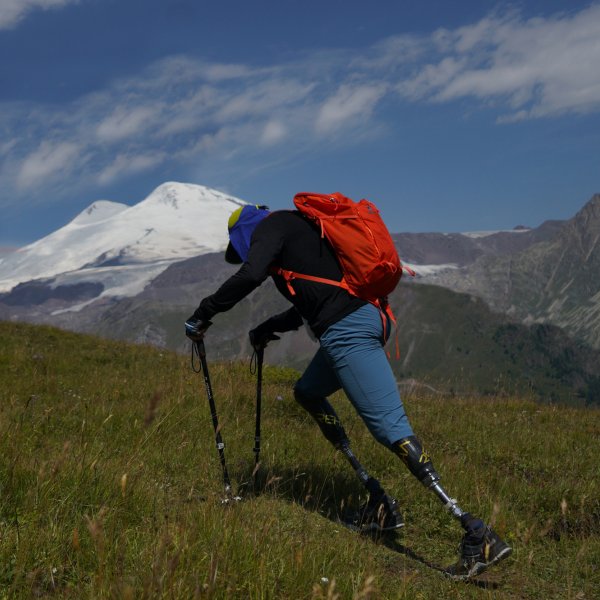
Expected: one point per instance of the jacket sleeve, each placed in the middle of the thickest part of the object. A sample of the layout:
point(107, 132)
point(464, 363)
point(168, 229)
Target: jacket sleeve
point(285, 321)
point(265, 247)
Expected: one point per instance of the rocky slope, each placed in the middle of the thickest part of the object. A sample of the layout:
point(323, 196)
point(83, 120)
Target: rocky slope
point(555, 281)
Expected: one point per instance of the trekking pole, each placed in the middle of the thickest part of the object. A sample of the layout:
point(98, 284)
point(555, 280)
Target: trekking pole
point(200, 349)
point(260, 352)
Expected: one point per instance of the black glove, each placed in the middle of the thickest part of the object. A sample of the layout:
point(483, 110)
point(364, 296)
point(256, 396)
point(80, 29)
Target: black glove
point(195, 328)
point(262, 335)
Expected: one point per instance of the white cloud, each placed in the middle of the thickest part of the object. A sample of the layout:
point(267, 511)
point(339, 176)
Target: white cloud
point(431, 77)
point(349, 103)
point(536, 68)
point(128, 164)
point(13, 11)
point(181, 110)
point(178, 110)
point(49, 161)
point(273, 133)
point(262, 98)
point(390, 53)
point(126, 122)
point(8, 145)
point(470, 37)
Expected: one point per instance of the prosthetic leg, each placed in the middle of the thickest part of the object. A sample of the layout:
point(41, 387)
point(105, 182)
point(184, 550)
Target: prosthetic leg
point(380, 512)
point(329, 423)
point(480, 547)
point(417, 460)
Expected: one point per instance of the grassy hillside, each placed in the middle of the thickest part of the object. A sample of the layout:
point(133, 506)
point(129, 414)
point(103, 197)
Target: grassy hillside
point(455, 342)
point(110, 486)
point(450, 341)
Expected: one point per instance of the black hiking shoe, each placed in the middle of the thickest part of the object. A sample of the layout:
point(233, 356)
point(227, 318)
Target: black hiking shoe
point(381, 515)
point(477, 556)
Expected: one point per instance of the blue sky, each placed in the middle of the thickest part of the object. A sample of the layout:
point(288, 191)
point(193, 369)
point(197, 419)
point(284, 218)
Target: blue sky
point(450, 116)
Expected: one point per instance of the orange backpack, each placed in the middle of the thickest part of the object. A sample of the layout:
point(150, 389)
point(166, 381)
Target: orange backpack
point(370, 263)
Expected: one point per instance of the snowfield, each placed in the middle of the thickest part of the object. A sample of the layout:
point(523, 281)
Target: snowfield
point(124, 247)
point(425, 270)
point(482, 234)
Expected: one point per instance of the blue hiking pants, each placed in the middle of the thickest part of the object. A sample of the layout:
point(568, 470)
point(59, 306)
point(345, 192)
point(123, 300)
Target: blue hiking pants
point(352, 357)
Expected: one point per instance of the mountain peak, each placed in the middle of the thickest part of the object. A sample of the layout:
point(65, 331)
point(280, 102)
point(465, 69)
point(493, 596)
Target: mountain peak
point(176, 221)
point(592, 204)
point(98, 211)
point(170, 193)
point(588, 218)
point(175, 195)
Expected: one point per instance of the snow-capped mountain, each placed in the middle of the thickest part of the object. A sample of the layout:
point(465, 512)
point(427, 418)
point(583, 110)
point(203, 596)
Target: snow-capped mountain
point(124, 247)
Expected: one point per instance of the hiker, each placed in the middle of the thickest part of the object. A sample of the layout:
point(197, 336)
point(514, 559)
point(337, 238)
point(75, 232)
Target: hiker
point(351, 334)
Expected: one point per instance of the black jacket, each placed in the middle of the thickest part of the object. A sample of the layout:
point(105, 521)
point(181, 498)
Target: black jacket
point(288, 240)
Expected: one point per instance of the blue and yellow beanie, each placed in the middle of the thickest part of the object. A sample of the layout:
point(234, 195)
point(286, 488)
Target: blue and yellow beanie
point(241, 225)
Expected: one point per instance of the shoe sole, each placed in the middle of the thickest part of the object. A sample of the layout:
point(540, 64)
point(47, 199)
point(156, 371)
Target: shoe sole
point(478, 568)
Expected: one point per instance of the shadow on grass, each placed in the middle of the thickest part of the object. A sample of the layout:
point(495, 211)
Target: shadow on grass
point(329, 494)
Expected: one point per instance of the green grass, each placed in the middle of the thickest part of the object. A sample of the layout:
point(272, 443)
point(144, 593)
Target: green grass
point(110, 485)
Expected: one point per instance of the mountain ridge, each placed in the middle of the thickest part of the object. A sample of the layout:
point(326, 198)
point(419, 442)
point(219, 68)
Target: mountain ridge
point(554, 280)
